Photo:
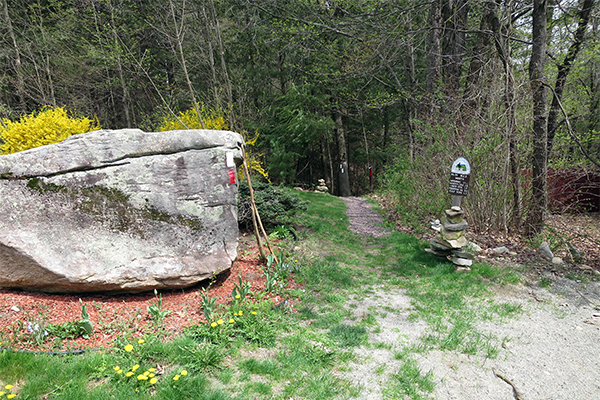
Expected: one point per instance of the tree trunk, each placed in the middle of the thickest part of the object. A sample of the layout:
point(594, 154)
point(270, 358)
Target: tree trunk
point(20, 84)
point(344, 177)
point(480, 48)
point(433, 51)
point(565, 68)
point(502, 31)
point(537, 209)
point(228, 86)
point(126, 98)
point(454, 17)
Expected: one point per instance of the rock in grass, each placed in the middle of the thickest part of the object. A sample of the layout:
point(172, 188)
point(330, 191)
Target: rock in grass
point(545, 251)
point(557, 261)
point(121, 210)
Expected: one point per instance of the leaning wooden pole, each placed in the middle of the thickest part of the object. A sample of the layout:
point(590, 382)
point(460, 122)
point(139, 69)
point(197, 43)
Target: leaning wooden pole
point(252, 204)
point(254, 208)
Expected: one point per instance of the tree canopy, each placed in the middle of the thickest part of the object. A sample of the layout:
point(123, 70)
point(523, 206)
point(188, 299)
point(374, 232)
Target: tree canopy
point(336, 89)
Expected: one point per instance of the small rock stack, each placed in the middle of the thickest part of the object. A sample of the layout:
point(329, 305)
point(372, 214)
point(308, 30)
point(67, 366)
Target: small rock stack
point(451, 241)
point(321, 187)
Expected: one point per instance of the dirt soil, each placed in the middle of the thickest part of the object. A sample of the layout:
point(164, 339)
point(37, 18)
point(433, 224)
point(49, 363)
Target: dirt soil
point(112, 315)
point(551, 351)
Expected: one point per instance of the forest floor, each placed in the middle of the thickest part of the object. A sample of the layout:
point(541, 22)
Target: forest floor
point(550, 351)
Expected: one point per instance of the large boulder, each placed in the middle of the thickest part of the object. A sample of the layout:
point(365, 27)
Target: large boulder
point(120, 210)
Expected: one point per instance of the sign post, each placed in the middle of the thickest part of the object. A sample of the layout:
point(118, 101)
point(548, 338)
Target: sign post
point(459, 180)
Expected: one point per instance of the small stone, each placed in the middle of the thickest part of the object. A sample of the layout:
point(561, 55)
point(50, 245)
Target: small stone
point(463, 262)
point(500, 250)
point(474, 247)
point(451, 235)
point(461, 226)
point(451, 213)
point(438, 253)
point(545, 251)
point(458, 243)
point(464, 254)
point(15, 309)
point(455, 208)
point(463, 269)
point(436, 225)
point(557, 260)
point(437, 243)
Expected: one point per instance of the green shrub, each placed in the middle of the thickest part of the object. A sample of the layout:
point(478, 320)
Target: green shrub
point(276, 205)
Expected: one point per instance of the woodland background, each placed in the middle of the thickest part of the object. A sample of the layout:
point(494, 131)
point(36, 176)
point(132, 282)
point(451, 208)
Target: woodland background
point(335, 88)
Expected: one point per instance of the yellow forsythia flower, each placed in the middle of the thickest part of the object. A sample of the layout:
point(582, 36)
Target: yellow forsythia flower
point(49, 125)
point(213, 119)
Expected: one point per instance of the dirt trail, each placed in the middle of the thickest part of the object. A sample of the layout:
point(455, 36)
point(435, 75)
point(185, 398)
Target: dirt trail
point(550, 352)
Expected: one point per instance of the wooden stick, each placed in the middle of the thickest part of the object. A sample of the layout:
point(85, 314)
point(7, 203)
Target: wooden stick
point(254, 208)
point(252, 204)
point(517, 394)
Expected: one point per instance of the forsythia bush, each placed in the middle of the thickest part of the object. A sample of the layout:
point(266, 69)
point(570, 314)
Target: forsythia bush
point(212, 120)
point(50, 125)
point(217, 120)
point(254, 164)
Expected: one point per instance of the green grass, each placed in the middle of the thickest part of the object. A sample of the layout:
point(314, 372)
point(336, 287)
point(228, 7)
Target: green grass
point(273, 353)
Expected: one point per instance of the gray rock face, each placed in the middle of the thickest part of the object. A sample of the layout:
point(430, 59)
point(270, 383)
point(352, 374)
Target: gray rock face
point(121, 210)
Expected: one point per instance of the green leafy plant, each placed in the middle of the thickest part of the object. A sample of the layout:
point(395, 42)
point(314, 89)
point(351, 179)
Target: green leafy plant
point(155, 309)
point(208, 304)
point(276, 205)
point(240, 290)
point(271, 275)
point(73, 329)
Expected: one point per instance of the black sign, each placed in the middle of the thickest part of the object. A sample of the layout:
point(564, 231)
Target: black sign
point(459, 184)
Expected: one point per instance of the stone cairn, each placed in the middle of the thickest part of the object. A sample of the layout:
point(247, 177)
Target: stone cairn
point(321, 187)
point(451, 242)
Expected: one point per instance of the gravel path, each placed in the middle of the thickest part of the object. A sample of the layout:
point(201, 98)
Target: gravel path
point(550, 352)
point(363, 219)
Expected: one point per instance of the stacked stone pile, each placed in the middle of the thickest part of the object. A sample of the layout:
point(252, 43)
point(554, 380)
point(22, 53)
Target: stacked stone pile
point(322, 187)
point(451, 242)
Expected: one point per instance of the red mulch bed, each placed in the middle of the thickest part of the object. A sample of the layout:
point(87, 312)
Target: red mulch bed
point(115, 315)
